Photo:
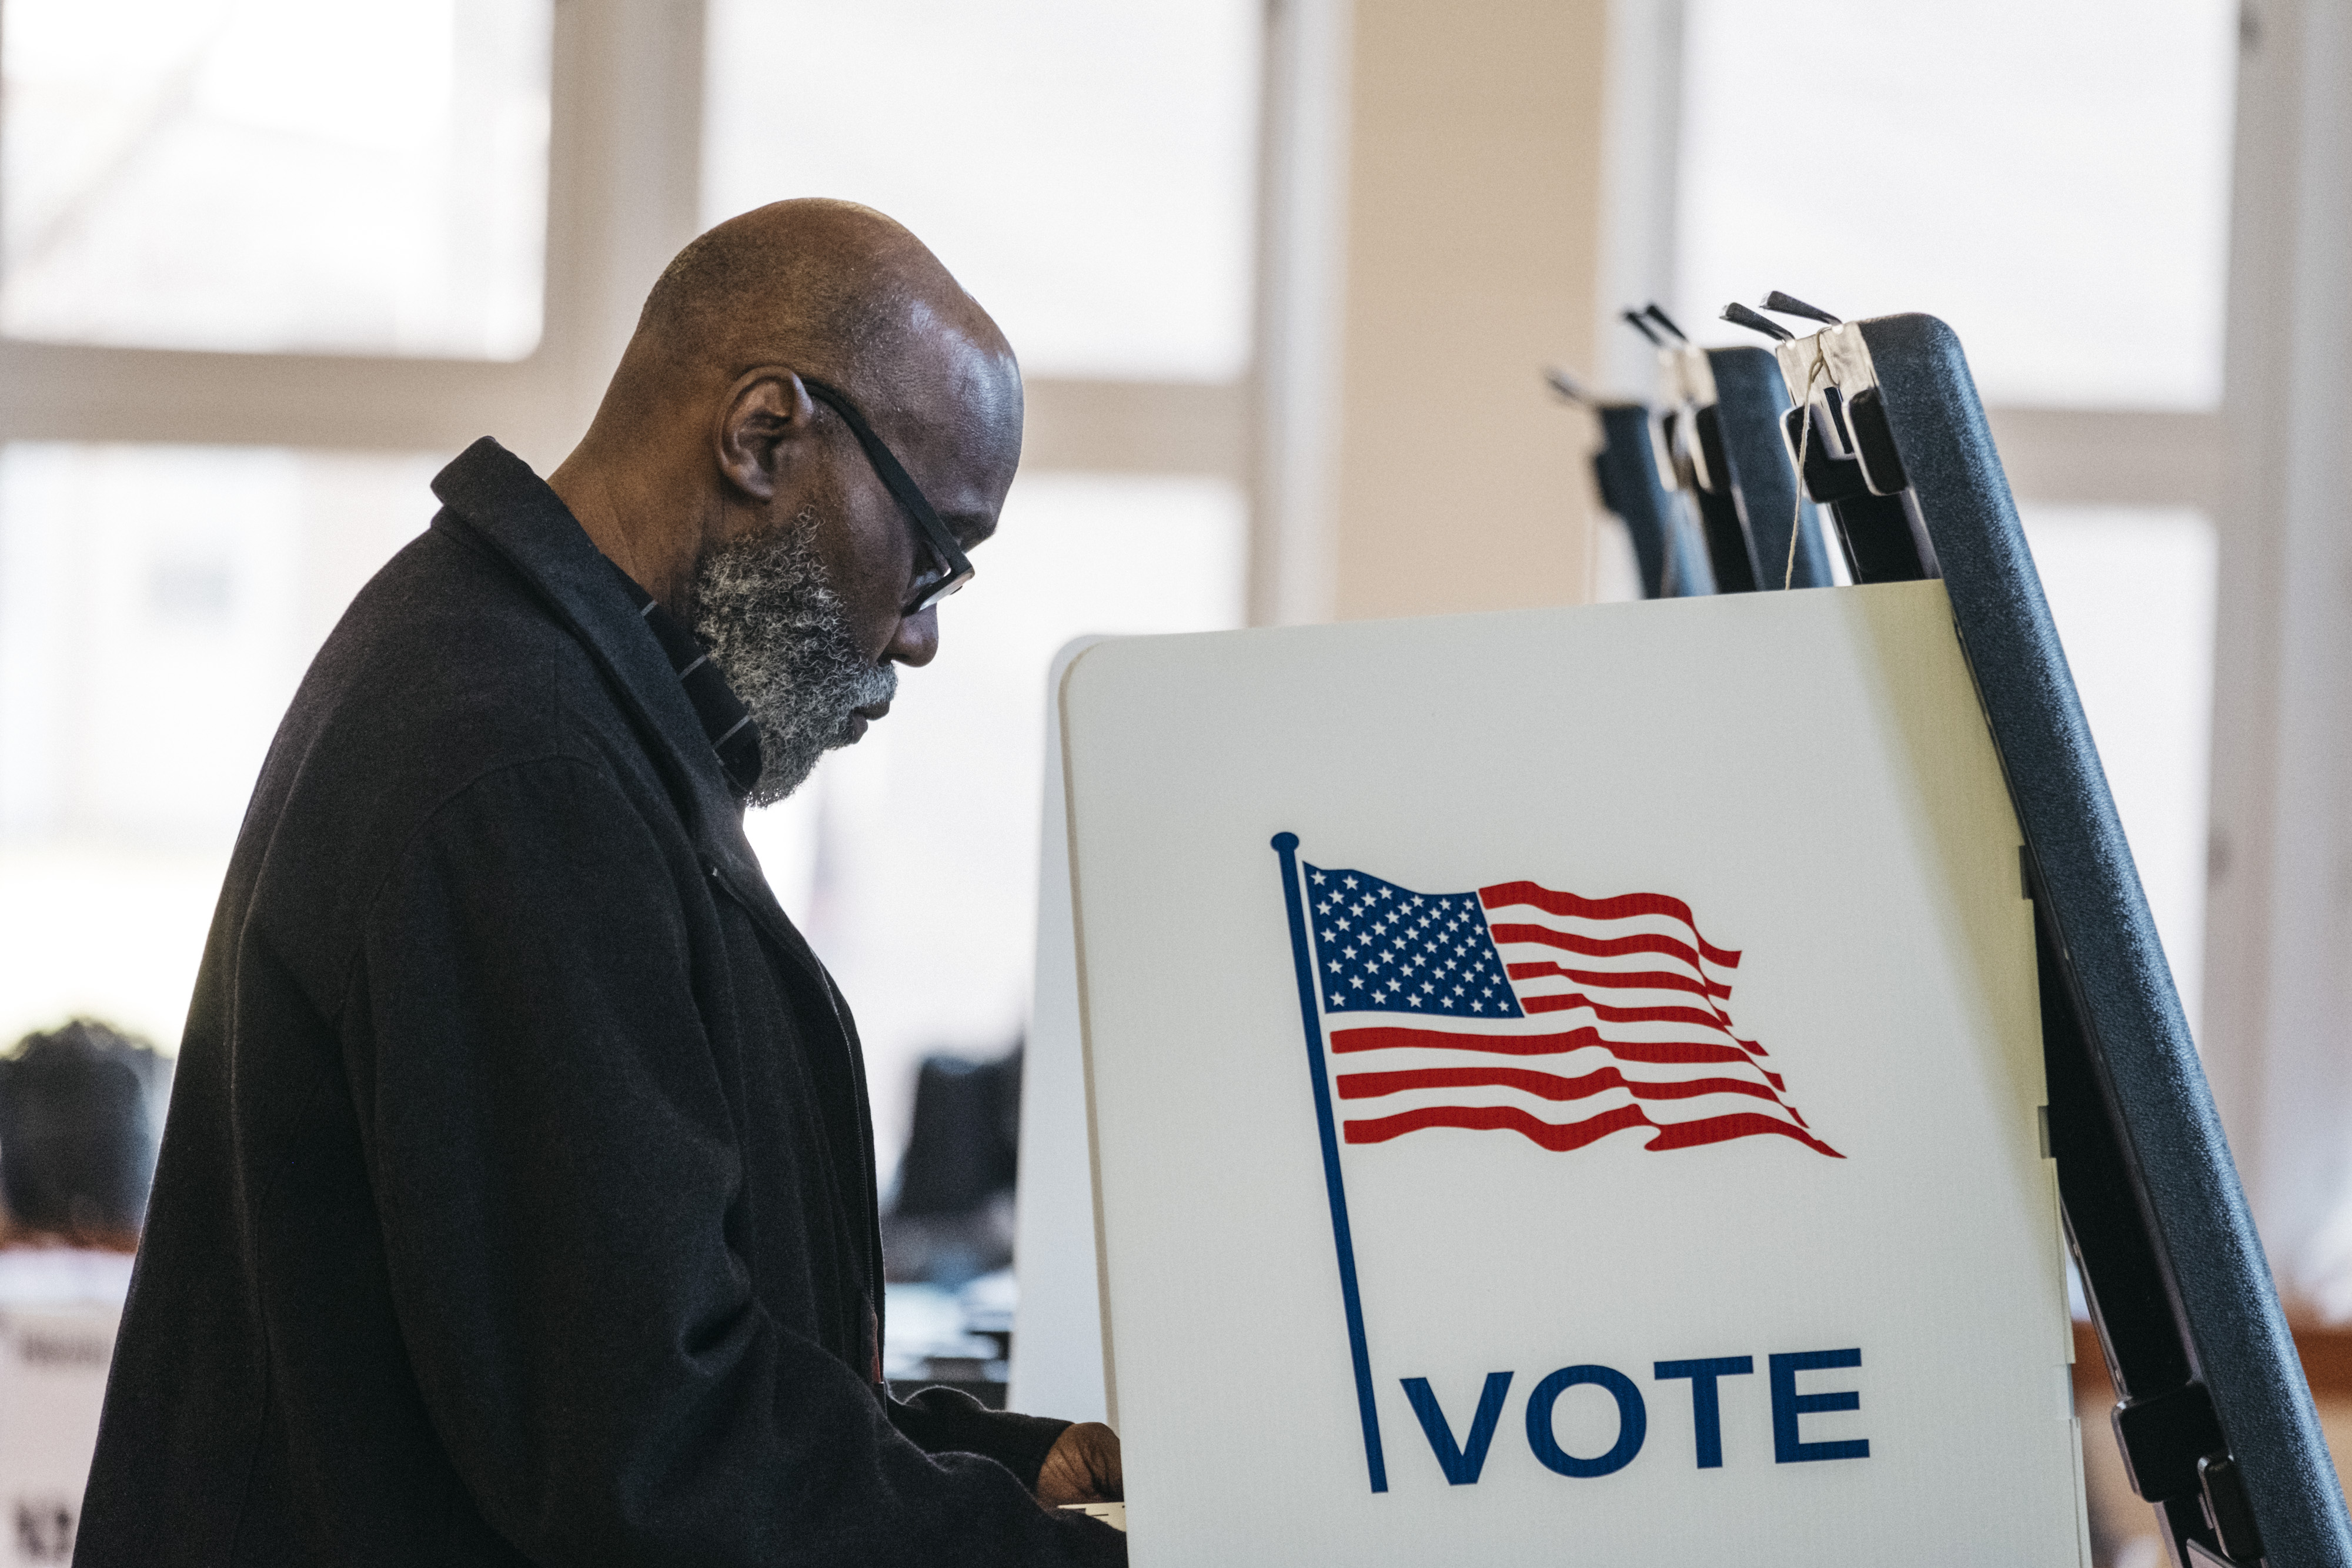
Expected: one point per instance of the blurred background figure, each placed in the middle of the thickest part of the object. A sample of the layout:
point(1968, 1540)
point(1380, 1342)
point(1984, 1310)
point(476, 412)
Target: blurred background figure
point(81, 1116)
point(81, 1113)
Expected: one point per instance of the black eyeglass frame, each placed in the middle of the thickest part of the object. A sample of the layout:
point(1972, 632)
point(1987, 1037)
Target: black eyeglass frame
point(954, 564)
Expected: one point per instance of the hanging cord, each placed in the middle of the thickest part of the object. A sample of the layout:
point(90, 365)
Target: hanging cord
point(1804, 441)
point(1739, 315)
point(1676, 534)
point(1673, 531)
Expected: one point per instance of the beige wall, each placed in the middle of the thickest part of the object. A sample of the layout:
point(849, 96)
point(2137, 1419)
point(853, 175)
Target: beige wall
point(1471, 250)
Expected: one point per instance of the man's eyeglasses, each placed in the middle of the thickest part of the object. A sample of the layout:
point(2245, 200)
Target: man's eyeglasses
point(952, 569)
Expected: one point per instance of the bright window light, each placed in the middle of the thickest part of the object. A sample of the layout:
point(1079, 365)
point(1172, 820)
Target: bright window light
point(2132, 592)
point(911, 859)
point(2050, 176)
point(276, 175)
point(1086, 171)
point(158, 606)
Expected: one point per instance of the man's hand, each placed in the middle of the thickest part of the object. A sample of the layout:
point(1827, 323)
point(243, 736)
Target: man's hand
point(1082, 1467)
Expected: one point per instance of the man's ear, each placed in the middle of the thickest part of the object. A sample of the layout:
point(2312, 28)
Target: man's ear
point(766, 413)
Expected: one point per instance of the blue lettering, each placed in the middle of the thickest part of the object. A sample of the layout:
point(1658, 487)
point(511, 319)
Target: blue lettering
point(1460, 1464)
point(1632, 1421)
point(1706, 1409)
point(1788, 1405)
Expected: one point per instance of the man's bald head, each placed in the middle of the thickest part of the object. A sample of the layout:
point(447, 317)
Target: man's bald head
point(712, 474)
point(815, 290)
point(835, 289)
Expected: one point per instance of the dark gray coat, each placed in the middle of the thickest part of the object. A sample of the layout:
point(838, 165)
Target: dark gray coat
point(517, 1203)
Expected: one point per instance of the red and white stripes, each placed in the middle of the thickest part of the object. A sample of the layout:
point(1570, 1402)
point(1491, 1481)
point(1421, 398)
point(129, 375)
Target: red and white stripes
point(1626, 1028)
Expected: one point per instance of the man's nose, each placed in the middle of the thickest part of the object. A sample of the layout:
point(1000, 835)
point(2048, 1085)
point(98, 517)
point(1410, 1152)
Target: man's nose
point(916, 640)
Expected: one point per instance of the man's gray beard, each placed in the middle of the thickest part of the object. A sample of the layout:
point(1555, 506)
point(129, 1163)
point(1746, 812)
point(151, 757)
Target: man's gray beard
point(781, 636)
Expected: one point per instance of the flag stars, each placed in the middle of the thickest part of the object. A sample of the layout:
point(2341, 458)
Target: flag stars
point(1318, 878)
point(1402, 949)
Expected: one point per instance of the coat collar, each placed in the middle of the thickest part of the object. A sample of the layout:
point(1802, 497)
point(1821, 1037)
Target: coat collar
point(492, 496)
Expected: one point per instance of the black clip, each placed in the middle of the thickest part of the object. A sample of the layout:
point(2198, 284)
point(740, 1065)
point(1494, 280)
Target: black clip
point(1781, 303)
point(1739, 315)
point(2229, 1509)
point(1874, 443)
point(2165, 1439)
point(1658, 315)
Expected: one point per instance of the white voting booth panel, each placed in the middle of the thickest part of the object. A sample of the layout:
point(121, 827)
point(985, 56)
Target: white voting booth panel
point(1057, 1355)
point(1650, 1171)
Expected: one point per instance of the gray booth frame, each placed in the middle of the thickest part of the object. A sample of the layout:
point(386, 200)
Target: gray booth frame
point(2215, 1419)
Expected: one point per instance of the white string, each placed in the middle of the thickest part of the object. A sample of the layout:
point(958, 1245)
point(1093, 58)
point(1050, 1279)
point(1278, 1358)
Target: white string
point(1671, 527)
point(1804, 440)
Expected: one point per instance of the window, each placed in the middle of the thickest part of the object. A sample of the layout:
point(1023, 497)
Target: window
point(2132, 592)
point(2056, 187)
point(278, 261)
point(276, 175)
point(1088, 173)
point(268, 264)
point(917, 852)
point(2048, 178)
point(158, 605)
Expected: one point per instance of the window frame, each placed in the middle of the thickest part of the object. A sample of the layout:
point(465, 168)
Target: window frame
point(624, 151)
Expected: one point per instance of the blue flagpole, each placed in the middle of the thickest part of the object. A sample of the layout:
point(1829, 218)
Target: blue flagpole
point(1287, 846)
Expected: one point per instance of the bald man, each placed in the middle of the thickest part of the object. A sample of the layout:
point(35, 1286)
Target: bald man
point(517, 1201)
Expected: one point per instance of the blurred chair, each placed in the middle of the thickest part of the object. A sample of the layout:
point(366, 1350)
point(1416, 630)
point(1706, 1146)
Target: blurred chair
point(951, 1221)
point(946, 1238)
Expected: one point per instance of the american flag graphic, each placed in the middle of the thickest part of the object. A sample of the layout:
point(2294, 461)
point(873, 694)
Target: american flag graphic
point(1520, 1008)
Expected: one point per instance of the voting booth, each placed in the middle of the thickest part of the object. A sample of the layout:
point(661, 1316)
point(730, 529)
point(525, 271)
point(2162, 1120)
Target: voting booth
point(1623, 1081)
point(1596, 1129)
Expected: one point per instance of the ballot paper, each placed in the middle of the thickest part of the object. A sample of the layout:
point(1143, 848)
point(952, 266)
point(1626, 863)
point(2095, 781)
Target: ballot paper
point(1568, 1083)
point(1111, 1513)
